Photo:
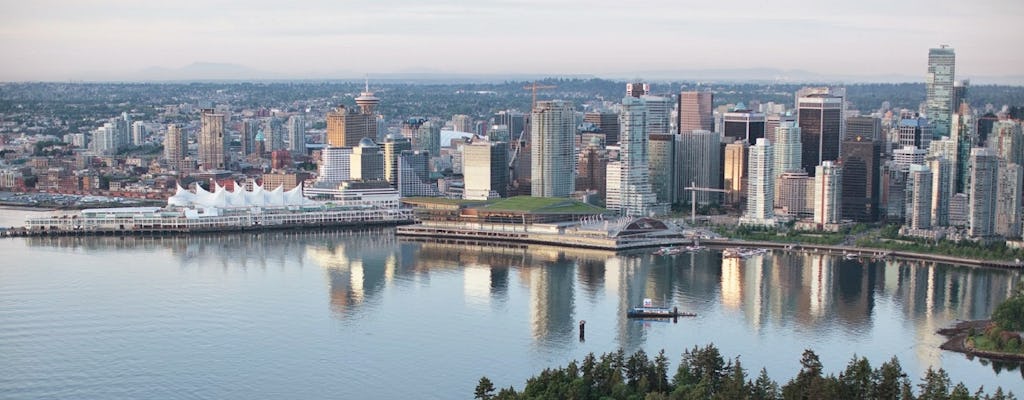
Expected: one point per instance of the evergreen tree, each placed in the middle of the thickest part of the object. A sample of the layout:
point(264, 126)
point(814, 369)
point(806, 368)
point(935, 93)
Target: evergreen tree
point(934, 385)
point(484, 389)
point(890, 381)
point(764, 388)
point(857, 382)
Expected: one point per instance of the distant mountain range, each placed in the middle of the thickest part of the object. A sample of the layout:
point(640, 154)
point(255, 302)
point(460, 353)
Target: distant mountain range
point(207, 71)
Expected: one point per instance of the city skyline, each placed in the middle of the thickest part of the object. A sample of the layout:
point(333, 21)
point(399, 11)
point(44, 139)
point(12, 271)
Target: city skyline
point(57, 40)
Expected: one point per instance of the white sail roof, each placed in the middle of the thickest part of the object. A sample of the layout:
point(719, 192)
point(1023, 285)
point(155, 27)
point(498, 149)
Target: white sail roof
point(222, 198)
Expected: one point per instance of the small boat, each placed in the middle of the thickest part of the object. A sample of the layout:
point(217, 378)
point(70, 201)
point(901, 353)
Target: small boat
point(668, 251)
point(649, 310)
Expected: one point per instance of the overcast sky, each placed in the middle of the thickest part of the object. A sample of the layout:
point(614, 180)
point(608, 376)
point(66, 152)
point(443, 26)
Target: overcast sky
point(59, 40)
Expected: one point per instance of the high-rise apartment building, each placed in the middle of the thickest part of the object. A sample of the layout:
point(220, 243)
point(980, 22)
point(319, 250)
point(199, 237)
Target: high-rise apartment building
point(787, 148)
point(592, 167)
point(139, 133)
point(273, 134)
point(942, 189)
point(485, 170)
point(552, 133)
point(861, 166)
point(964, 132)
point(939, 85)
point(700, 164)
point(297, 135)
point(821, 121)
point(247, 132)
point(1007, 140)
point(659, 114)
point(984, 179)
point(918, 197)
point(628, 186)
point(175, 146)
point(212, 141)
point(760, 185)
point(795, 194)
point(462, 123)
point(827, 193)
point(1009, 193)
point(695, 111)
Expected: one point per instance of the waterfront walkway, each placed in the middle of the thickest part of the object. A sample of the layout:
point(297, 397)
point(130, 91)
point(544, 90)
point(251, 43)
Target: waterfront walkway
point(862, 252)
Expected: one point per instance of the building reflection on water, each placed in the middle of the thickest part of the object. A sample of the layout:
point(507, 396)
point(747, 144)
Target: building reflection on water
point(778, 288)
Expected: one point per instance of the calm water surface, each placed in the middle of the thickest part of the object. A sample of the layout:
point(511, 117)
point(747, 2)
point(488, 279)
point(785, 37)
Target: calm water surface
point(369, 315)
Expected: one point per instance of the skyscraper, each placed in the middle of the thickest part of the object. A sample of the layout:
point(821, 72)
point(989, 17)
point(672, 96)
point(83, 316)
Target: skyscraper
point(942, 189)
point(606, 123)
point(552, 133)
point(919, 197)
point(1007, 140)
point(982, 207)
point(659, 114)
point(787, 148)
point(485, 169)
point(175, 146)
point(742, 124)
point(628, 188)
point(820, 117)
point(866, 127)
point(393, 148)
point(367, 162)
point(1008, 200)
point(345, 128)
point(335, 165)
point(939, 84)
point(592, 168)
point(272, 134)
point(861, 163)
point(700, 163)
point(964, 132)
point(212, 141)
point(663, 154)
point(695, 111)
point(915, 131)
point(772, 122)
point(138, 133)
point(760, 185)
point(247, 132)
point(297, 135)
point(827, 193)
point(462, 123)
point(734, 171)
point(637, 89)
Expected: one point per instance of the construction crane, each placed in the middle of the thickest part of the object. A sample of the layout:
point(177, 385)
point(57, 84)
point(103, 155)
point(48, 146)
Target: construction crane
point(693, 188)
point(533, 87)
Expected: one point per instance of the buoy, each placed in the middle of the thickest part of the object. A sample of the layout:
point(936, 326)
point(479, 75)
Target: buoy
point(583, 330)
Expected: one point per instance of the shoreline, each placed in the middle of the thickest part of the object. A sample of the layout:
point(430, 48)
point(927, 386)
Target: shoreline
point(957, 342)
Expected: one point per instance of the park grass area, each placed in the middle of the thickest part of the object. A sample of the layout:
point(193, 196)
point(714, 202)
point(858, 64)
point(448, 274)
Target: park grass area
point(542, 205)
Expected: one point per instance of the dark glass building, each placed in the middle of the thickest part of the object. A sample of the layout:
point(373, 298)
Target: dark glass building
point(820, 117)
point(861, 159)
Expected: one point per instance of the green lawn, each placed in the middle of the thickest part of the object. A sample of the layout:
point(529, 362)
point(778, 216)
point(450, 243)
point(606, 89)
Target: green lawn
point(542, 205)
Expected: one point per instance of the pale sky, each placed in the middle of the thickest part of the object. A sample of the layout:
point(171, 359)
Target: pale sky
point(60, 40)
